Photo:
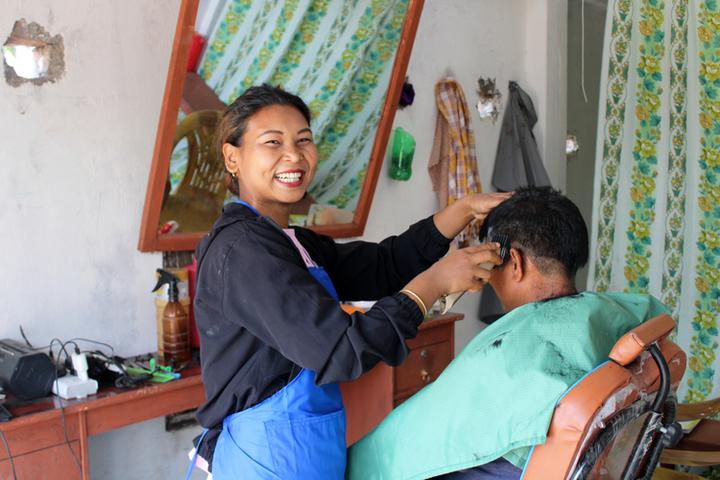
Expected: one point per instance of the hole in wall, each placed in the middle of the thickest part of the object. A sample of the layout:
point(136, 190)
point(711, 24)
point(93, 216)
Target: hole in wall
point(31, 54)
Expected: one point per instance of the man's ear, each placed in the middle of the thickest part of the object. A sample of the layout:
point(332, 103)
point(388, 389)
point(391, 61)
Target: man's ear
point(517, 265)
point(231, 156)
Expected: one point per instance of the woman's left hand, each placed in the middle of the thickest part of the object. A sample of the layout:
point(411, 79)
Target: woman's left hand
point(453, 218)
point(481, 204)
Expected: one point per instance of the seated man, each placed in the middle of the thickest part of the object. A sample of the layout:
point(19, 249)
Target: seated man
point(482, 416)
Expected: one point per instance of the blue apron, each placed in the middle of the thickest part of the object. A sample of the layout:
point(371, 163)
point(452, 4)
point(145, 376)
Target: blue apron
point(297, 433)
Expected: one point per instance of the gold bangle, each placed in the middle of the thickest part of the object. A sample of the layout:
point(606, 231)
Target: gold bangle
point(416, 298)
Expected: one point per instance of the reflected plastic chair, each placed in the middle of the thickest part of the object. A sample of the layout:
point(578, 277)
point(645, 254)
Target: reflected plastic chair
point(200, 194)
point(616, 420)
point(205, 170)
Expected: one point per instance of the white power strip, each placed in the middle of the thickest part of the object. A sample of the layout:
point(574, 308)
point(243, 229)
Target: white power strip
point(71, 386)
point(80, 386)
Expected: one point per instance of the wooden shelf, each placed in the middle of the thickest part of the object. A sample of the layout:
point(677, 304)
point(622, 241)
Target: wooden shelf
point(372, 397)
point(37, 433)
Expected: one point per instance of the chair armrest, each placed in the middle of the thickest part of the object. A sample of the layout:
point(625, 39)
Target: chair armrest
point(634, 342)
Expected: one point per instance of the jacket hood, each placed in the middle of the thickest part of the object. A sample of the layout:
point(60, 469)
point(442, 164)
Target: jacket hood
point(231, 213)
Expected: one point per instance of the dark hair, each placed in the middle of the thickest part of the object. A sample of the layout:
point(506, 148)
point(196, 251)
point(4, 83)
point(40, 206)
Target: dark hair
point(545, 225)
point(236, 116)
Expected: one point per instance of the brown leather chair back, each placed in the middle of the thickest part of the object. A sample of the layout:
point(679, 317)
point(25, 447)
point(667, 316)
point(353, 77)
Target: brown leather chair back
point(604, 401)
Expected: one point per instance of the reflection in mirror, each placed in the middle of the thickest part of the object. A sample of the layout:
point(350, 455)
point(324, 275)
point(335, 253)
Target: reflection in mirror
point(195, 188)
point(336, 55)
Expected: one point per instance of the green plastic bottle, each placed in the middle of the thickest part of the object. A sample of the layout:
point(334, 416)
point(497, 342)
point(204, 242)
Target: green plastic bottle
point(403, 149)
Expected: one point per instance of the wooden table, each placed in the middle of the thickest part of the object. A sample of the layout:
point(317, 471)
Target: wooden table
point(372, 397)
point(37, 433)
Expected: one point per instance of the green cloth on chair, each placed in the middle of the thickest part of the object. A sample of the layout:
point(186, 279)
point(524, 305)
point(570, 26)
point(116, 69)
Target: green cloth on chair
point(497, 397)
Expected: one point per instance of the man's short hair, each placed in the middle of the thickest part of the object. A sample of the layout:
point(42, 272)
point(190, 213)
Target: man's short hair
point(545, 225)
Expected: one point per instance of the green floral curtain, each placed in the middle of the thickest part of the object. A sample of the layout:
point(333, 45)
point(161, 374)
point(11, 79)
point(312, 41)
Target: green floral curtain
point(656, 219)
point(337, 55)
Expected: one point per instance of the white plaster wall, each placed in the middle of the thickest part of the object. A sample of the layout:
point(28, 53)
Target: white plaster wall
point(582, 117)
point(545, 67)
point(505, 40)
point(75, 157)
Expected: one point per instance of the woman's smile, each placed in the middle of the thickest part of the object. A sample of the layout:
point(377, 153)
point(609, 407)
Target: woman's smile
point(290, 178)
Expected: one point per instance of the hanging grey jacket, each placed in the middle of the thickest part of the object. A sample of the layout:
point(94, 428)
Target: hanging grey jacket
point(517, 162)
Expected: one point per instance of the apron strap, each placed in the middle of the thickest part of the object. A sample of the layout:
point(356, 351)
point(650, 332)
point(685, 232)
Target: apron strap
point(195, 455)
point(309, 262)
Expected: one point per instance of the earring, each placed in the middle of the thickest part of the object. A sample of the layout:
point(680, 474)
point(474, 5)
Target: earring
point(232, 174)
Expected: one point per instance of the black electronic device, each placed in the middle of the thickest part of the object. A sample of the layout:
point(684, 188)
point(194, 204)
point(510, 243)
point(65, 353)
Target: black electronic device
point(25, 372)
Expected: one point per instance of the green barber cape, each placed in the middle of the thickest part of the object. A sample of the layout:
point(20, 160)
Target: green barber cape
point(496, 399)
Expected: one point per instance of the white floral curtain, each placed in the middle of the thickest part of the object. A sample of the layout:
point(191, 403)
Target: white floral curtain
point(337, 55)
point(656, 218)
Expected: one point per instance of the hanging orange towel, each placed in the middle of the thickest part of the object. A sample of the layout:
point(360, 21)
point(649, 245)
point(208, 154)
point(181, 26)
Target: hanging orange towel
point(453, 165)
point(440, 161)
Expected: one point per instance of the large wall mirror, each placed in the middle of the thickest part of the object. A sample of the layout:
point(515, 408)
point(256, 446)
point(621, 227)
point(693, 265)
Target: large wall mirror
point(346, 58)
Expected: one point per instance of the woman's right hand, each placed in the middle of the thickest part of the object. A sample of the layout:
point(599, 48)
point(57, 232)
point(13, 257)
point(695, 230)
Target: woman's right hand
point(466, 269)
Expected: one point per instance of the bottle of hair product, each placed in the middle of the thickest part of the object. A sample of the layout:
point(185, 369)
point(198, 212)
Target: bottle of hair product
point(175, 337)
point(162, 297)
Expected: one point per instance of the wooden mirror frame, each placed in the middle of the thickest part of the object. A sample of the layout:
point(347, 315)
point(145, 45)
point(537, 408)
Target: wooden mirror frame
point(151, 240)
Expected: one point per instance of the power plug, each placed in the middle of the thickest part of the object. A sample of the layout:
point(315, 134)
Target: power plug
point(76, 386)
point(79, 363)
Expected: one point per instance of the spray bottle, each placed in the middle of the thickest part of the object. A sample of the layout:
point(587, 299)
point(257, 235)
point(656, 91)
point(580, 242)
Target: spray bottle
point(176, 341)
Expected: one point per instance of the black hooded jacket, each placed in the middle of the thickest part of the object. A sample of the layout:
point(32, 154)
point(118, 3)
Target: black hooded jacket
point(261, 314)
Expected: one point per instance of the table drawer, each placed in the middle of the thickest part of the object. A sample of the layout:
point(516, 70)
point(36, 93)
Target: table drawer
point(422, 366)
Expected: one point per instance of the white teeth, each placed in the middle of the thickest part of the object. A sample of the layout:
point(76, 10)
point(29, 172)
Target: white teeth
point(289, 177)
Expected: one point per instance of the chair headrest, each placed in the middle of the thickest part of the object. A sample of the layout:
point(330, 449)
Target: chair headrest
point(634, 342)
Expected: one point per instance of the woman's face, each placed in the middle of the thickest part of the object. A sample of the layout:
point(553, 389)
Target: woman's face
point(277, 158)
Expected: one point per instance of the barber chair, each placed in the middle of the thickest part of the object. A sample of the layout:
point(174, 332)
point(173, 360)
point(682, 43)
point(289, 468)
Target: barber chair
point(616, 420)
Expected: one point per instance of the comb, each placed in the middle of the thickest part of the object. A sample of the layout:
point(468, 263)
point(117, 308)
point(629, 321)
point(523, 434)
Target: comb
point(504, 241)
point(447, 301)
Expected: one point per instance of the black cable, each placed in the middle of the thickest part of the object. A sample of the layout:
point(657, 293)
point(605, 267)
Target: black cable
point(95, 342)
point(124, 380)
point(22, 333)
point(10, 457)
point(27, 342)
point(62, 348)
point(62, 407)
point(67, 439)
point(50, 350)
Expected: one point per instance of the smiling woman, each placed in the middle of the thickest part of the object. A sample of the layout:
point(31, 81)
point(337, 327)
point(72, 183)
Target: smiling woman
point(347, 59)
point(274, 341)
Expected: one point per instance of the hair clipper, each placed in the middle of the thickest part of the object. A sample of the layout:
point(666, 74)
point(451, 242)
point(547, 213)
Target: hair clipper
point(447, 301)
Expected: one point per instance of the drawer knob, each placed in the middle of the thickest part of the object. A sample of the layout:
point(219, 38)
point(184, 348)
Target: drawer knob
point(425, 376)
point(424, 353)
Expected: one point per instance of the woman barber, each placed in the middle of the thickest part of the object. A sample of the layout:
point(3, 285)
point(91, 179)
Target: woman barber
point(274, 341)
